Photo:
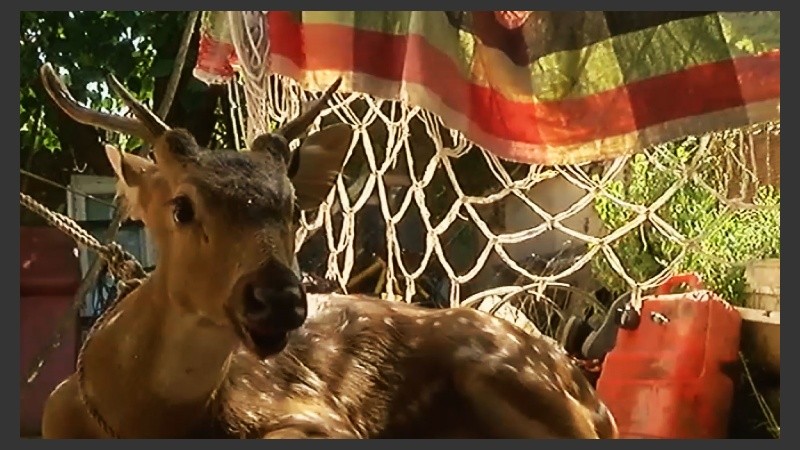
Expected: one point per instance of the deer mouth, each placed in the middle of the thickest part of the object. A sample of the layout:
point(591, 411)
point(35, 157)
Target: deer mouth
point(257, 337)
point(265, 341)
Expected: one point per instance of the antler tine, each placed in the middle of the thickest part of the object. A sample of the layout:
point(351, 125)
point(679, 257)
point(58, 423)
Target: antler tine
point(64, 100)
point(155, 126)
point(296, 126)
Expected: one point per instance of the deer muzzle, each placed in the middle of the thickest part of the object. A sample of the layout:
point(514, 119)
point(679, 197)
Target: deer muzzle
point(273, 303)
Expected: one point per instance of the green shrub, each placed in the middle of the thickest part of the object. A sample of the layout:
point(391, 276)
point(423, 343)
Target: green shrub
point(722, 238)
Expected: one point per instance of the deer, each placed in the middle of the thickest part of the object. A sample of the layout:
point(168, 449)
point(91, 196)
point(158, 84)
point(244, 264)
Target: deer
point(222, 341)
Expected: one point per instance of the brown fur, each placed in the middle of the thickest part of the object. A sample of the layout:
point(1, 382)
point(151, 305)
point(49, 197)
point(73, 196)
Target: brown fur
point(173, 358)
point(349, 373)
point(366, 368)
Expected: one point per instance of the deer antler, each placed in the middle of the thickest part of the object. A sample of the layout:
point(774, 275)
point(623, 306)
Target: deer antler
point(146, 125)
point(295, 127)
point(148, 118)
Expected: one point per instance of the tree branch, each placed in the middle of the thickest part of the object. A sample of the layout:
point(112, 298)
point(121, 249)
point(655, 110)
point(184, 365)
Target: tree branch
point(177, 68)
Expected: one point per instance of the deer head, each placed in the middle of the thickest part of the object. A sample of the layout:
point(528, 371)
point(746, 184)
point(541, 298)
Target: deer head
point(223, 221)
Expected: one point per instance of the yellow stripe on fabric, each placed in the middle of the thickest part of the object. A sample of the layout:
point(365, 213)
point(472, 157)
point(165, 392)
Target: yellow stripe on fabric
point(215, 24)
point(594, 69)
point(432, 25)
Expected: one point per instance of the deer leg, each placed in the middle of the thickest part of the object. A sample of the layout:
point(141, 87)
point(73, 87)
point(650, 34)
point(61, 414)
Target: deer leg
point(64, 415)
point(511, 408)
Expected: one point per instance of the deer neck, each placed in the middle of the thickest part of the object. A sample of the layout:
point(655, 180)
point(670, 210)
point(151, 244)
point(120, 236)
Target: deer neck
point(155, 366)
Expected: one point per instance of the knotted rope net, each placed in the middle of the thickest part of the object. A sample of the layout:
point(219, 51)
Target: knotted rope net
point(493, 230)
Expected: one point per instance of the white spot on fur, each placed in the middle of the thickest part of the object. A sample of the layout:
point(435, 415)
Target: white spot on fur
point(449, 312)
point(276, 387)
point(437, 323)
point(388, 321)
point(342, 431)
point(363, 319)
point(510, 368)
point(463, 320)
point(419, 321)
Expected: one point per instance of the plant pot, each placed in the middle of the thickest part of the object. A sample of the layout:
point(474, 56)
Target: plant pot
point(763, 284)
point(761, 317)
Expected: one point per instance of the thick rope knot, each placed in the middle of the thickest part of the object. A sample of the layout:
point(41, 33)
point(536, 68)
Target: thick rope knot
point(121, 263)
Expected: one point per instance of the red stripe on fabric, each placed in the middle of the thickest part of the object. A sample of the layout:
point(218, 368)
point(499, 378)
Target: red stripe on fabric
point(215, 57)
point(705, 88)
point(760, 77)
point(697, 90)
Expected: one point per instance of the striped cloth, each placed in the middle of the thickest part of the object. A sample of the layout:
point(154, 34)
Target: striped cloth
point(536, 86)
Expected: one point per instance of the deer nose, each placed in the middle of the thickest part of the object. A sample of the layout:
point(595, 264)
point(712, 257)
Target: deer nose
point(278, 308)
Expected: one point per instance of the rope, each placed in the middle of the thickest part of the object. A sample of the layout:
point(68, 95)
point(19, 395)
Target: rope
point(388, 135)
point(121, 263)
point(124, 267)
point(124, 288)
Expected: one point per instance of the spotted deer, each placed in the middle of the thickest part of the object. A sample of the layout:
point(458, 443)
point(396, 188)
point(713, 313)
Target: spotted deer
point(221, 341)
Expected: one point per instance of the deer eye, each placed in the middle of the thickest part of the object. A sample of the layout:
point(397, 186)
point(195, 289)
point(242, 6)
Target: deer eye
point(182, 210)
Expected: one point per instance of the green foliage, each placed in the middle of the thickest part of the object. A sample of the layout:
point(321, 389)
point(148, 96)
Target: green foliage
point(88, 44)
point(721, 239)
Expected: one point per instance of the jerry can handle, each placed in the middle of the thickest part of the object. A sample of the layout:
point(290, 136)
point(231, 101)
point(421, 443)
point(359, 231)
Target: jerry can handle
point(691, 279)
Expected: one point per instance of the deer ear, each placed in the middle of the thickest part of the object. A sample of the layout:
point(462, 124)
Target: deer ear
point(129, 168)
point(316, 164)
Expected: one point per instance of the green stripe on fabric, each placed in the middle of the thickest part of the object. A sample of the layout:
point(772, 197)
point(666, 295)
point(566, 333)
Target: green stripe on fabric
point(589, 71)
point(671, 47)
point(662, 50)
point(596, 68)
point(751, 33)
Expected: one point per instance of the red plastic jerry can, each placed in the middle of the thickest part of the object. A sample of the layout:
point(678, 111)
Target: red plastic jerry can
point(666, 378)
